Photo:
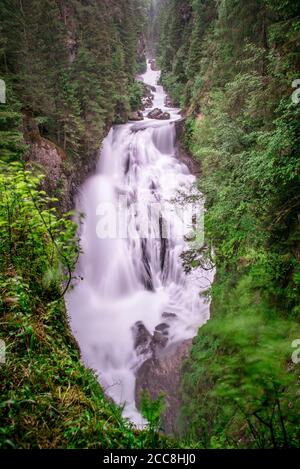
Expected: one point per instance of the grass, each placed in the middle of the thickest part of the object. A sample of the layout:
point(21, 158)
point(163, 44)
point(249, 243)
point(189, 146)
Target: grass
point(48, 399)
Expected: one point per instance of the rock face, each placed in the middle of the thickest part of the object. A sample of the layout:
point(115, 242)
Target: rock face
point(142, 340)
point(50, 158)
point(186, 158)
point(182, 154)
point(161, 370)
point(179, 127)
point(153, 64)
point(148, 96)
point(168, 102)
point(62, 179)
point(162, 373)
point(158, 114)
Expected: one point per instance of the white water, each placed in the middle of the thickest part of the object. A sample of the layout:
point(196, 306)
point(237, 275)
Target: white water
point(132, 279)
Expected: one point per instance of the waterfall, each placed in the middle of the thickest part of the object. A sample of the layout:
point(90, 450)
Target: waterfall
point(132, 237)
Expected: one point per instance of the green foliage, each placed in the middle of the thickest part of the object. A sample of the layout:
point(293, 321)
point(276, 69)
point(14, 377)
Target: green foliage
point(48, 399)
point(243, 384)
point(72, 66)
point(11, 140)
point(175, 89)
point(240, 387)
point(135, 95)
point(69, 70)
point(31, 233)
point(152, 410)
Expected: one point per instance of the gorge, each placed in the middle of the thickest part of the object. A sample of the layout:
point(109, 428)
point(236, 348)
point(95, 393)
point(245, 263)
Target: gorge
point(135, 300)
point(149, 224)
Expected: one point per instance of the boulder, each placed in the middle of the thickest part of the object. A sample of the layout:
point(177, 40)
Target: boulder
point(168, 102)
point(147, 345)
point(158, 114)
point(142, 339)
point(163, 374)
point(164, 116)
point(154, 113)
point(136, 116)
point(163, 328)
point(169, 316)
point(159, 342)
point(147, 102)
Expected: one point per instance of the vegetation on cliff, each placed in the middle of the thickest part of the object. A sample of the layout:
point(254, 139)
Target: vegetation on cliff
point(72, 65)
point(69, 71)
point(48, 398)
point(231, 65)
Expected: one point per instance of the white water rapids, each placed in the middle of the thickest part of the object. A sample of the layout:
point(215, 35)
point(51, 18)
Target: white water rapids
point(131, 271)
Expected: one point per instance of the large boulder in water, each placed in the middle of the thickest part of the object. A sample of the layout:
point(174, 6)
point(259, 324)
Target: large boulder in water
point(164, 116)
point(154, 113)
point(136, 116)
point(170, 316)
point(147, 345)
point(158, 114)
point(142, 339)
point(163, 374)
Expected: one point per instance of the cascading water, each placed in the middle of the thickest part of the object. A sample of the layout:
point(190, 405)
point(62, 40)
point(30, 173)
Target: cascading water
point(132, 238)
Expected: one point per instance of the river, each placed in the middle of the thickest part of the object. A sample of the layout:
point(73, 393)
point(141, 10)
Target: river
point(135, 228)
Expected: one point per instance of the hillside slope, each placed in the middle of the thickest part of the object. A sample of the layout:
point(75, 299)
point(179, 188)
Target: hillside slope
point(69, 70)
point(232, 66)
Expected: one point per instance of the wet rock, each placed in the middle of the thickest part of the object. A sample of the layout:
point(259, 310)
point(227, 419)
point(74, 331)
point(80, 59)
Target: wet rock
point(153, 65)
point(142, 339)
point(168, 102)
point(164, 243)
point(146, 274)
point(136, 116)
point(169, 315)
point(159, 341)
point(159, 114)
point(180, 127)
point(148, 91)
point(160, 338)
point(148, 96)
point(190, 237)
point(155, 113)
point(163, 328)
point(164, 116)
point(163, 374)
point(190, 162)
point(147, 102)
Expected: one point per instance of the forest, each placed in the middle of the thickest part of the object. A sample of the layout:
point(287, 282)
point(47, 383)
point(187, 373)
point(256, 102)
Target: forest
point(72, 72)
point(232, 66)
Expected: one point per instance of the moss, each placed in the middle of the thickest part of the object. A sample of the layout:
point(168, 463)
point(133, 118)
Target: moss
point(48, 398)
